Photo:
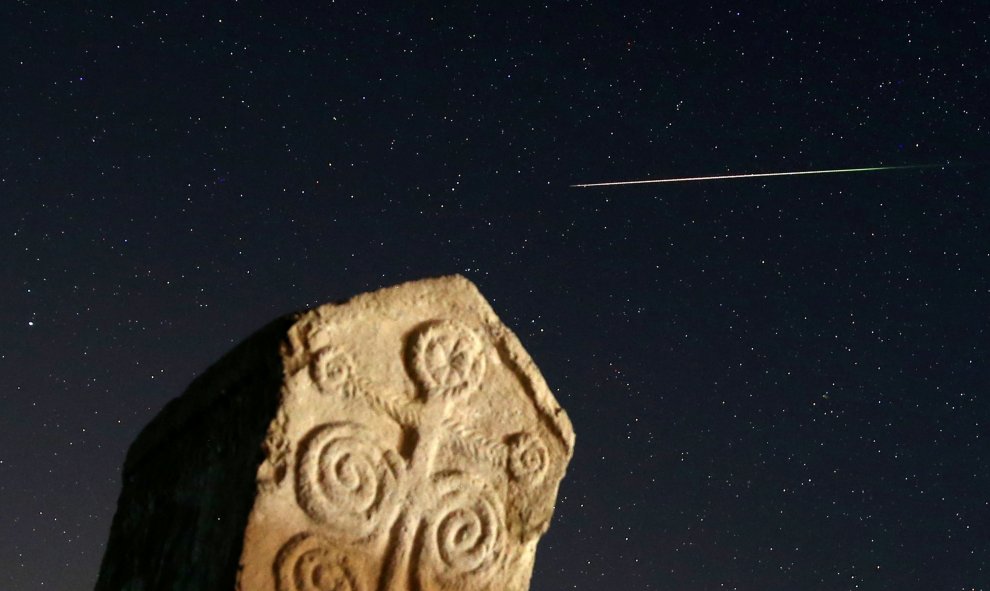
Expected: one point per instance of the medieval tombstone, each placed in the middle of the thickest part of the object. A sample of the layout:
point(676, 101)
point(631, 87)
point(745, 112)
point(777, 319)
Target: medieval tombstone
point(403, 440)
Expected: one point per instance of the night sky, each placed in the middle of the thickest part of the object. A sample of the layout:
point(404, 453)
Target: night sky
point(776, 383)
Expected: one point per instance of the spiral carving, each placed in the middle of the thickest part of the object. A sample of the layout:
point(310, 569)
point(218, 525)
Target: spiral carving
point(448, 359)
point(465, 531)
point(309, 563)
point(331, 368)
point(529, 458)
point(347, 480)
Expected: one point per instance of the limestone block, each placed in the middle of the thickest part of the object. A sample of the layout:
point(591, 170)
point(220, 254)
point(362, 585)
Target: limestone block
point(411, 444)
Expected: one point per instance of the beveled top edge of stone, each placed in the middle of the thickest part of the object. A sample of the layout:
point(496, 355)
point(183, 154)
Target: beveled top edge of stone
point(211, 384)
point(411, 291)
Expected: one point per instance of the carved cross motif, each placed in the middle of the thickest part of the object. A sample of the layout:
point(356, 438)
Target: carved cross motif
point(441, 527)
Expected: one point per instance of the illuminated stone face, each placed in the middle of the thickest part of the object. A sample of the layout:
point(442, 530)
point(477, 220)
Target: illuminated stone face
point(415, 447)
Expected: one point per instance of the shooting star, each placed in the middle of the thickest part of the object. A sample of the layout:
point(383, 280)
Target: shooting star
point(753, 175)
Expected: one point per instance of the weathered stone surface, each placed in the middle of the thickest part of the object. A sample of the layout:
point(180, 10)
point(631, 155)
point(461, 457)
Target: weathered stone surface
point(409, 444)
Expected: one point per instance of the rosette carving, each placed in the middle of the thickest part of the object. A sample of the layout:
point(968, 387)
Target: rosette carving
point(347, 480)
point(309, 563)
point(448, 359)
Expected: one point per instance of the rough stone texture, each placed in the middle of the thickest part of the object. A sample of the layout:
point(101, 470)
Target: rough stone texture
point(403, 440)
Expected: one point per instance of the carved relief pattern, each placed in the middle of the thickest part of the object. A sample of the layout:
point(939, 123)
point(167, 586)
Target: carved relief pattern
point(477, 445)
point(277, 452)
point(332, 369)
point(346, 480)
point(448, 359)
point(310, 563)
point(528, 458)
point(400, 411)
point(357, 488)
point(465, 531)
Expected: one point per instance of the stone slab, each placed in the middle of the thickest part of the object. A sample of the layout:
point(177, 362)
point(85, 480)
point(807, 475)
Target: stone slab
point(409, 443)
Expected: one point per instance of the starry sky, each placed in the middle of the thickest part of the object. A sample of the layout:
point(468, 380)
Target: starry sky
point(776, 383)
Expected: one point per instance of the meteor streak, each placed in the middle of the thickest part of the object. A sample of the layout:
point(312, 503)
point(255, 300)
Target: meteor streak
point(753, 175)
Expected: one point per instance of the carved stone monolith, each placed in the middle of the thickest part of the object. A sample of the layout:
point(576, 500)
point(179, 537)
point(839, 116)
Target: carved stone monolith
point(403, 440)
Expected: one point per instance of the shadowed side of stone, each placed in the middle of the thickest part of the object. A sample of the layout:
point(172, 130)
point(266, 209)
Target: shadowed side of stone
point(189, 480)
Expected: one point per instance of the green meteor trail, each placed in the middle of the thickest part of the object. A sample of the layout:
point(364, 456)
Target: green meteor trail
point(754, 175)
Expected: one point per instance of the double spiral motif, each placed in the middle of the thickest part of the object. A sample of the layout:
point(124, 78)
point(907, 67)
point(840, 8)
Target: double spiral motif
point(465, 533)
point(347, 480)
point(309, 563)
point(448, 359)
